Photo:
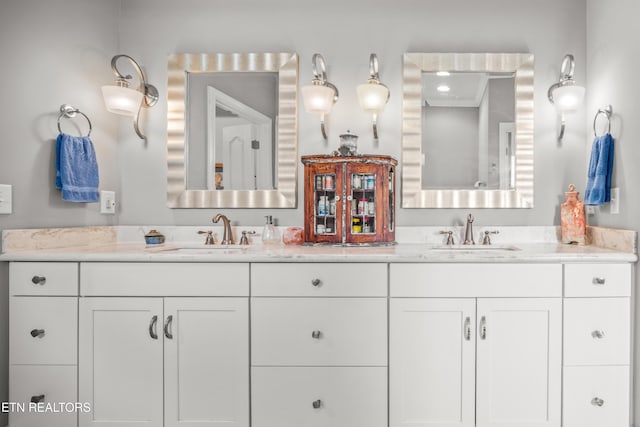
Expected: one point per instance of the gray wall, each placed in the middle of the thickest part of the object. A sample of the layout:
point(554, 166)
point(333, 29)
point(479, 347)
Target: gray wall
point(55, 52)
point(613, 62)
point(450, 147)
point(346, 33)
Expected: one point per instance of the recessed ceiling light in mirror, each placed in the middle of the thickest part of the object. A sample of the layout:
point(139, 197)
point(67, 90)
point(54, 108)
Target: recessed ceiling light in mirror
point(443, 73)
point(443, 88)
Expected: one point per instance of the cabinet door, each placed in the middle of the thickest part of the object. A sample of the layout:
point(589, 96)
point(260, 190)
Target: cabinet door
point(206, 362)
point(432, 362)
point(367, 199)
point(518, 362)
point(323, 203)
point(120, 361)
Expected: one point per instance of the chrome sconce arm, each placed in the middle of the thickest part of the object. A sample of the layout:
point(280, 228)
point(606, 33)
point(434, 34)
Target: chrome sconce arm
point(320, 96)
point(120, 99)
point(373, 95)
point(566, 95)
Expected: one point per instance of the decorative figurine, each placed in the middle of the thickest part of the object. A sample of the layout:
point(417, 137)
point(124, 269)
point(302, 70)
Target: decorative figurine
point(572, 218)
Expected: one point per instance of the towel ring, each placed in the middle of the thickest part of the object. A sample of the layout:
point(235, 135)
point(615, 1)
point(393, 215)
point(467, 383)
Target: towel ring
point(69, 112)
point(607, 111)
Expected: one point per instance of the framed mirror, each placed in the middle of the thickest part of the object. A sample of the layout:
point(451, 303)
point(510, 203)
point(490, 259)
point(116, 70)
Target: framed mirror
point(467, 131)
point(232, 130)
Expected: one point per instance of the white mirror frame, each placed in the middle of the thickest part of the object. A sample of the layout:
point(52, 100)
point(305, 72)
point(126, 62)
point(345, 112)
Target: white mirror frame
point(413, 195)
point(285, 194)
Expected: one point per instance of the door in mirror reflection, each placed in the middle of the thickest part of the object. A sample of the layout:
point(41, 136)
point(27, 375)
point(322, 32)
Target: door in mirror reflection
point(231, 131)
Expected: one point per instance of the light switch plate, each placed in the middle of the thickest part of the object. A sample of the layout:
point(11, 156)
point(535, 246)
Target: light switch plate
point(615, 201)
point(6, 203)
point(108, 202)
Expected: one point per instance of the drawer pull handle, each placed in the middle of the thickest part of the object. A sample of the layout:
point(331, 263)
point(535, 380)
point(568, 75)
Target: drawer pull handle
point(598, 281)
point(597, 334)
point(39, 280)
point(483, 328)
point(37, 399)
point(596, 401)
point(37, 333)
point(467, 328)
point(316, 335)
point(167, 327)
point(153, 333)
point(317, 404)
point(316, 282)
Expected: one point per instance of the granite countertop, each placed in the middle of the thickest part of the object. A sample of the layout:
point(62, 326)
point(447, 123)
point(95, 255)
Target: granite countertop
point(122, 244)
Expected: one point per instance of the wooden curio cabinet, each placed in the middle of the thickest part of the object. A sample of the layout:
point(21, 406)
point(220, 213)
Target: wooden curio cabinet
point(350, 199)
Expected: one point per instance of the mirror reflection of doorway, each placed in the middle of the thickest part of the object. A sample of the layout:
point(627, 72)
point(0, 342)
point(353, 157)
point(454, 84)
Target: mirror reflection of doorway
point(240, 138)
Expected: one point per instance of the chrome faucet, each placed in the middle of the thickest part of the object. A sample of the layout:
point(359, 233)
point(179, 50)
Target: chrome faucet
point(227, 238)
point(468, 233)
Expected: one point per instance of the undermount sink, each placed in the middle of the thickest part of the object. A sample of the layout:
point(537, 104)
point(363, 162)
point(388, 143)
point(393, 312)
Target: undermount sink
point(475, 248)
point(203, 249)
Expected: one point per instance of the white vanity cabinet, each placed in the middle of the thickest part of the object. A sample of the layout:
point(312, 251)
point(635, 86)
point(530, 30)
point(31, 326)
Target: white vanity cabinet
point(43, 310)
point(164, 361)
point(475, 345)
point(597, 345)
point(319, 345)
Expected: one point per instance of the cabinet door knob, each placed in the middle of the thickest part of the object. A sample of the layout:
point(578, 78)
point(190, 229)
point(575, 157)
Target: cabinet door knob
point(152, 327)
point(167, 327)
point(467, 328)
point(316, 282)
point(483, 328)
point(598, 280)
point(316, 335)
point(317, 404)
point(37, 399)
point(597, 334)
point(596, 401)
point(39, 280)
point(37, 333)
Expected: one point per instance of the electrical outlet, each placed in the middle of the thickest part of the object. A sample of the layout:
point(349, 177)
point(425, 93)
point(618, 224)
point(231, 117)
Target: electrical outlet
point(614, 204)
point(6, 207)
point(108, 202)
point(591, 210)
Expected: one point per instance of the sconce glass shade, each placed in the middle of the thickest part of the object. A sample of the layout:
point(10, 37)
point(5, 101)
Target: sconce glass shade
point(373, 97)
point(318, 99)
point(122, 100)
point(568, 98)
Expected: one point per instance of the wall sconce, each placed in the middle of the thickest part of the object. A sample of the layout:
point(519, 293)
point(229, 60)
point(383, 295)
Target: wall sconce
point(119, 99)
point(373, 95)
point(566, 95)
point(320, 95)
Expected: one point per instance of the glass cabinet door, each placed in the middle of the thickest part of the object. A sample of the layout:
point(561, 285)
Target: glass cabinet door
point(325, 203)
point(363, 196)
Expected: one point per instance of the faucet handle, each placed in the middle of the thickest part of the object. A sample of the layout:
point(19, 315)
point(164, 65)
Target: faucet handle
point(244, 240)
point(486, 240)
point(449, 237)
point(209, 240)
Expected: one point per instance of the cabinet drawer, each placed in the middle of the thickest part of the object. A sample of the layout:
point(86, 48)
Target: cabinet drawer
point(50, 385)
point(597, 280)
point(164, 279)
point(596, 396)
point(43, 330)
point(319, 331)
point(43, 278)
point(319, 279)
point(336, 397)
point(475, 280)
point(597, 331)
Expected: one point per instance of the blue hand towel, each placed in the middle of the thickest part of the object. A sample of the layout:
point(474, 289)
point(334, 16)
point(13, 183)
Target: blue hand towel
point(598, 189)
point(76, 168)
